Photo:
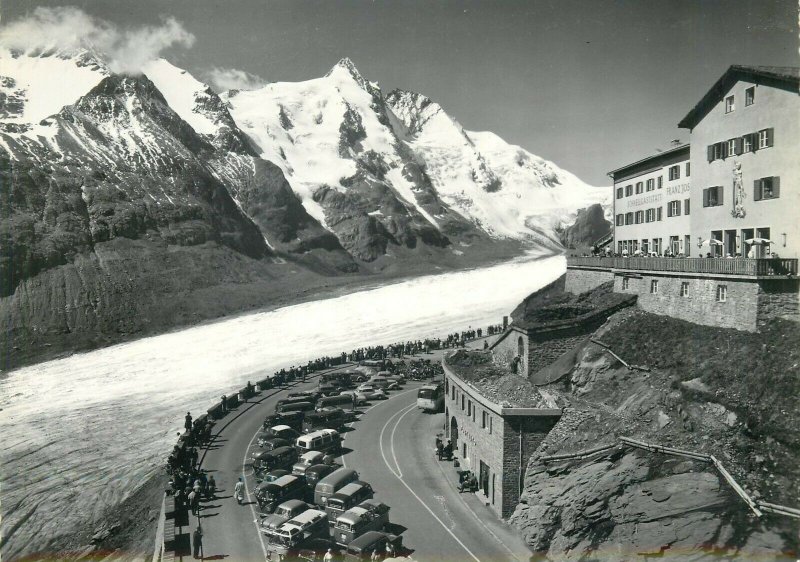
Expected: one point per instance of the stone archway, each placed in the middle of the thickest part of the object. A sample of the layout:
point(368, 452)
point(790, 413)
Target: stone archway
point(454, 433)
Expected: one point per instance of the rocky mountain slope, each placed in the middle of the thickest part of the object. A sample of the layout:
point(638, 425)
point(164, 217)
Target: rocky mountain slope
point(721, 392)
point(134, 198)
point(590, 226)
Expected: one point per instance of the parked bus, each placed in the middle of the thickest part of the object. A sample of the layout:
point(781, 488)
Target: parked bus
point(430, 398)
point(322, 440)
point(292, 419)
point(271, 495)
point(296, 407)
point(282, 457)
point(369, 515)
point(292, 535)
point(362, 547)
point(332, 483)
point(348, 496)
point(333, 418)
point(335, 401)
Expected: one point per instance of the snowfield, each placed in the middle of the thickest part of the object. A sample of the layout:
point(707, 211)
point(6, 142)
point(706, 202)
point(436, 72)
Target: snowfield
point(82, 433)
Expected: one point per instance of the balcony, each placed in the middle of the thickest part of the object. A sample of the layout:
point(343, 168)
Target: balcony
point(715, 266)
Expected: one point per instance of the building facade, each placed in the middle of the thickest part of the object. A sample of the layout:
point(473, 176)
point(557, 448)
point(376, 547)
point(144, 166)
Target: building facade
point(745, 142)
point(742, 199)
point(493, 441)
point(652, 204)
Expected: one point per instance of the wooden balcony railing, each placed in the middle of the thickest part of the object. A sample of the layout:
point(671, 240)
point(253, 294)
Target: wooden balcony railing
point(736, 266)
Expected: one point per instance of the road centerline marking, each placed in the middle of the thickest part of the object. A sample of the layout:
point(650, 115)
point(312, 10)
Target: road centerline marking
point(413, 493)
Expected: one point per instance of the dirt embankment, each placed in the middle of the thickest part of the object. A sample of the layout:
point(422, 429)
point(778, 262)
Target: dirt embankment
point(731, 394)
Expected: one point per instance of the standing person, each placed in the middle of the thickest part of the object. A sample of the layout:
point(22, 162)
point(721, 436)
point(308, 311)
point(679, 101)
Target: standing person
point(193, 501)
point(389, 550)
point(328, 556)
point(224, 401)
point(187, 422)
point(212, 487)
point(197, 542)
point(238, 491)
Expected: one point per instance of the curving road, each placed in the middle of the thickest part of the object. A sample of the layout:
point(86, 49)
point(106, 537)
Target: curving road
point(391, 445)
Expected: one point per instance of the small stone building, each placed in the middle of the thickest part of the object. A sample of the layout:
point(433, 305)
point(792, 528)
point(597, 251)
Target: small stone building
point(494, 440)
point(525, 347)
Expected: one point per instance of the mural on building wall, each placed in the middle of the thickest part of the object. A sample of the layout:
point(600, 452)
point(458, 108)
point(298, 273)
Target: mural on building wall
point(738, 211)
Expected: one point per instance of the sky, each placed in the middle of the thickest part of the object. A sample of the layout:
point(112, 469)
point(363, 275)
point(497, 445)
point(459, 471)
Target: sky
point(589, 84)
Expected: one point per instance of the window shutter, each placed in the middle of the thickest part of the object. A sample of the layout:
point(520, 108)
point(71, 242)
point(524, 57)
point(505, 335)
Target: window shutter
point(770, 136)
point(677, 208)
point(720, 194)
point(776, 187)
point(705, 198)
point(659, 214)
point(757, 190)
point(739, 143)
point(710, 153)
point(724, 150)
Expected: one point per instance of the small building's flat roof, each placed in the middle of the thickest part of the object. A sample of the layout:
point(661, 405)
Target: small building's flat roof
point(653, 158)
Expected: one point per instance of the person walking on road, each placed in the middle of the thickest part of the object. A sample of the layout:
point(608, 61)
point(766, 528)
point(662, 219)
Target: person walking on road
point(238, 491)
point(224, 401)
point(197, 542)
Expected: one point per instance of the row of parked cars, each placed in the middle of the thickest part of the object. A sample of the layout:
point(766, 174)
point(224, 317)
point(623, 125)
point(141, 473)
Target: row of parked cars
point(308, 502)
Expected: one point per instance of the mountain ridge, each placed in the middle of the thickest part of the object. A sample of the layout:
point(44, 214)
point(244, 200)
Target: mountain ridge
point(308, 181)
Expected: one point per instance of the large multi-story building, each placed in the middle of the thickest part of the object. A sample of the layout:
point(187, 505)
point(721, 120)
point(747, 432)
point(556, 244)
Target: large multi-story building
point(742, 196)
point(745, 141)
point(652, 205)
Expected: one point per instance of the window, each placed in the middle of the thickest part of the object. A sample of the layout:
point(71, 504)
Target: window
point(619, 193)
point(688, 169)
point(462, 402)
point(650, 215)
point(747, 143)
point(659, 213)
point(483, 419)
point(469, 407)
point(620, 219)
point(639, 187)
point(715, 151)
point(639, 217)
point(628, 218)
point(765, 138)
point(628, 190)
point(626, 283)
point(750, 96)
point(722, 293)
point(651, 184)
point(674, 172)
point(712, 196)
point(657, 245)
point(674, 208)
point(660, 182)
point(684, 288)
point(767, 188)
point(730, 148)
point(686, 206)
point(653, 286)
point(729, 107)
point(452, 393)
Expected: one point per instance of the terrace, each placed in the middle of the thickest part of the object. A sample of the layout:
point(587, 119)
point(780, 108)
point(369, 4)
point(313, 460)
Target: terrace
point(765, 267)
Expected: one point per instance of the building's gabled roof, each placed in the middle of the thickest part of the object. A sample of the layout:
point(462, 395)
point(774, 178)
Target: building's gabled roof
point(784, 77)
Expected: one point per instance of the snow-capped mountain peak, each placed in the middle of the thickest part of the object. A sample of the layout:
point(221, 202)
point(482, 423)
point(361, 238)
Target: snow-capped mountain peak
point(36, 84)
point(345, 70)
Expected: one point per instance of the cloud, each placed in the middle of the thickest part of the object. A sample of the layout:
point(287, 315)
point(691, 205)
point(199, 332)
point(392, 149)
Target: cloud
point(234, 79)
point(70, 28)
